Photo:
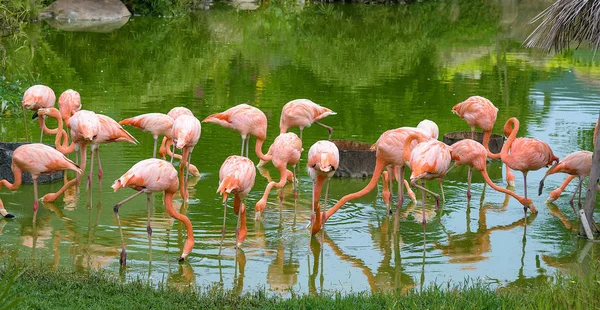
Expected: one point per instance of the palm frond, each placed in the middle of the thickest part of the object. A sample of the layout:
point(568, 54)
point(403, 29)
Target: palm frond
point(566, 21)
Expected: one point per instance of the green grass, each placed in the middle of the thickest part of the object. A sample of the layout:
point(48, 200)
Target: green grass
point(40, 288)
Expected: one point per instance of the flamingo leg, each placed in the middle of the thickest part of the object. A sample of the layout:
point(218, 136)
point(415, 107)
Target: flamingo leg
point(223, 229)
point(437, 197)
point(89, 181)
point(294, 179)
point(400, 190)
point(42, 128)
point(423, 192)
point(442, 189)
point(301, 133)
point(247, 146)
point(25, 124)
point(187, 173)
point(328, 128)
point(312, 209)
point(390, 170)
point(155, 144)
point(525, 185)
point(580, 185)
point(472, 132)
point(174, 149)
point(148, 228)
point(469, 183)
point(123, 258)
point(237, 230)
point(35, 197)
point(575, 193)
point(243, 141)
point(100, 172)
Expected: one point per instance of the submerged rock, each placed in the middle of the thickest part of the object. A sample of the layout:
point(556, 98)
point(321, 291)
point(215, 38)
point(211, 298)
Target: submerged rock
point(86, 10)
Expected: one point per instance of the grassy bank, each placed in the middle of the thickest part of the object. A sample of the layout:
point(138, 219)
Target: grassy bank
point(39, 288)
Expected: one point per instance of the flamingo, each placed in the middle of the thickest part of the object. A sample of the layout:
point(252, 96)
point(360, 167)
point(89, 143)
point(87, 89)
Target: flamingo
point(85, 129)
point(69, 102)
point(37, 159)
point(247, 120)
point(481, 112)
point(236, 177)
point(526, 154)
point(186, 133)
point(303, 113)
point(429, 129)
point(473, 154)
point(35, 97)
point(149, 176)
point(286, 150)
point(389, 151)
point(428, 160)
point(575, 164)
point(165, 146)
point(158, 124)
point(323, 161)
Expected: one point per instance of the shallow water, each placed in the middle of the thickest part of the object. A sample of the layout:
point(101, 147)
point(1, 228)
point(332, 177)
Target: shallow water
point(378, 67)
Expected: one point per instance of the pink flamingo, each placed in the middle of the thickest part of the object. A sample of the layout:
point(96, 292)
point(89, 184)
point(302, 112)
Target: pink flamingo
point(526, 154)
point(69, 102)
point(236, 177)
point(149, 176)
point(35, 97)
point(286, 150)
point(428, 129)
point(247, 120)
point(575, 164)
point(303, 113)
point(158, 124)
point(473, 154)
point(389, 151)
point(186, 133)
point(428, 160)
point(323, 161)
point(167, 142)
point(37, 159)
point(85, 128)
point(481, 112)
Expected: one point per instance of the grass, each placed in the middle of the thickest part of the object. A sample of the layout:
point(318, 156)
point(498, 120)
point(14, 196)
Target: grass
point(41, 288)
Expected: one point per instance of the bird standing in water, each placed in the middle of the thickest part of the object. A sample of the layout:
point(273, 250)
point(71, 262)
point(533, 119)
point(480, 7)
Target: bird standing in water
point(157, 124)
point(236, 177)
point(286, 150)
point(247, 120)
point(323, 161)
point(186, 133)
point(38, 159)
point(303, 113)
point(525, 154)
point(577, 164)
point(481, 112)
point(149, 176)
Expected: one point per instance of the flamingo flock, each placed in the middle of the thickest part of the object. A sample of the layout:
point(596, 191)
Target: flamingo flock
point(415, 148)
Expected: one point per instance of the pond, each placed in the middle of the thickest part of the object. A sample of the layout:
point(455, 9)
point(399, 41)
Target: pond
point(378, 67)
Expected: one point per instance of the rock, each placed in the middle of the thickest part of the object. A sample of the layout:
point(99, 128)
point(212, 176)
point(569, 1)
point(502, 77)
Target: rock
point(86, 10)
point(6, 151)
point(101, 26)
point(357, 160)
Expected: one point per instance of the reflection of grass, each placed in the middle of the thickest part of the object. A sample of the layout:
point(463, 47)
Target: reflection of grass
point(99, 290)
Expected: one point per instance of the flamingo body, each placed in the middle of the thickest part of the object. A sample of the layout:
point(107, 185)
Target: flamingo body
point(301, 113)
point(243, 118)
point(69, 102)
point(38, 96)
point(477, 111)
point(157, 124)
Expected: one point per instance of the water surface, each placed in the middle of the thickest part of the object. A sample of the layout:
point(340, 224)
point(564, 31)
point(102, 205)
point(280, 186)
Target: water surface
point(378, 67)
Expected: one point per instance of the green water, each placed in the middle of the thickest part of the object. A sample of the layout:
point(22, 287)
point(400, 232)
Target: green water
point(378, 67)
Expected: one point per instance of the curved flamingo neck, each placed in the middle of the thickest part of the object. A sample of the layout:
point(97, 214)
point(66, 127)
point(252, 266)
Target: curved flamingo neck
point(511, 138)
point(258, 150)
point(407, 142)
point(379, 166)
point(17, 172)
point(316, 195)
point(189, 243)
point(501, 189)
point(486, 143)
